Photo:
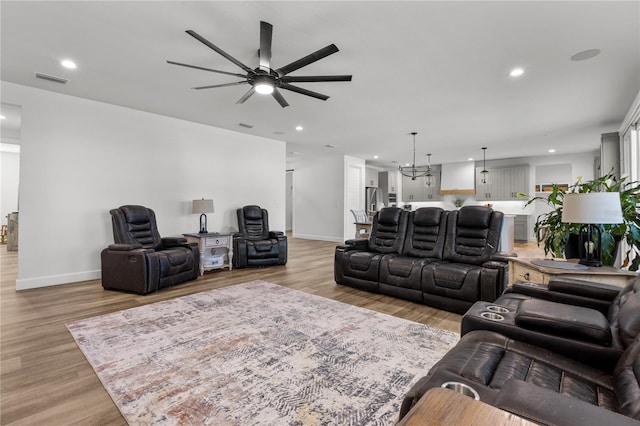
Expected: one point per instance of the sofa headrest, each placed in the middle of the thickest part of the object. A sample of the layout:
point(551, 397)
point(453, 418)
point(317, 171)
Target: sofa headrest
point(428, 216)
point(628, 317)
point(136, 214)
point(252, 212)
point(389, 215)
point(474, 216)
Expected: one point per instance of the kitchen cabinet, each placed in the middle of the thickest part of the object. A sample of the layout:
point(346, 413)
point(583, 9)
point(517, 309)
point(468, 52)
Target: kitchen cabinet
point(388, 182)
point(417, 190)
point(503, 183)
point(371, 177)
point(521, 228)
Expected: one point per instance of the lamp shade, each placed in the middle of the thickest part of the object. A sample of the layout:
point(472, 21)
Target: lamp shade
point(592, 207)
point(202, 206)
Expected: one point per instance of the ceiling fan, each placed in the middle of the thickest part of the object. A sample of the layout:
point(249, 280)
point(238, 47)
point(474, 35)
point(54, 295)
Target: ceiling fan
point(264, 79)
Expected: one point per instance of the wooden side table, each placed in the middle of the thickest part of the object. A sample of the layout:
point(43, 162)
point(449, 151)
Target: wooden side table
point(521, 269)
point(216, 250)
point(445, 407)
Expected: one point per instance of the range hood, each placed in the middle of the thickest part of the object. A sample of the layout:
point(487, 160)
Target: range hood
point(458, 178)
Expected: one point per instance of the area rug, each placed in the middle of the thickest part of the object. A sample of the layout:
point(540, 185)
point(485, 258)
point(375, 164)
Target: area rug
point(258, 354)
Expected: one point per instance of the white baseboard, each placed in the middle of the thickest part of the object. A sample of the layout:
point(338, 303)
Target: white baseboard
point(318, 237)
point(51, 280)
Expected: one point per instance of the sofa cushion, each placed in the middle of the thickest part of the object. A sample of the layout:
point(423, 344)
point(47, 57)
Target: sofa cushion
point(473, 234)
point(425, 233)
point(388, 231)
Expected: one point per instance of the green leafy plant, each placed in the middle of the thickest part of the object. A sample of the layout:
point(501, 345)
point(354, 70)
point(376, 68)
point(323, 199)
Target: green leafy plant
point(554, 234)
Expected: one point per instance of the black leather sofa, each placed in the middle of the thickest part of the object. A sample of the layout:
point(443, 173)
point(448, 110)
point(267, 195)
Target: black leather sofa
point(582, 380)
point(445, 259)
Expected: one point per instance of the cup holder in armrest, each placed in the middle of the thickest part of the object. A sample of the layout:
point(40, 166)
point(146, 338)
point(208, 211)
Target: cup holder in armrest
point(498, 309)
point(465, 390)
point(492, 316)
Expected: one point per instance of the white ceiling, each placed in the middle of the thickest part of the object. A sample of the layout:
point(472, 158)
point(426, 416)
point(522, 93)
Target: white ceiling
point(438, 68)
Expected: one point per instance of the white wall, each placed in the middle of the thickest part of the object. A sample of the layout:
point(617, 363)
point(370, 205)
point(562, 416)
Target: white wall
point(81, 158)
point(319, 198)
point(9, 175)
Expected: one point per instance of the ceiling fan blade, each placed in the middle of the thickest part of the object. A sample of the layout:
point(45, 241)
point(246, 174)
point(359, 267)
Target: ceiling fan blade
point(213, 86)
point(205, 69)
point(315, 78)
point(218, 50)
point(303, 91)
point(246, 96)
point(266, 31)
point(278, 97)
point(309, 59)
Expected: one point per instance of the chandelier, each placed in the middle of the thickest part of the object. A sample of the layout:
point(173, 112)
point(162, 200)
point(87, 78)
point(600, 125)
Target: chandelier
point(414, 171)
point(484, 173)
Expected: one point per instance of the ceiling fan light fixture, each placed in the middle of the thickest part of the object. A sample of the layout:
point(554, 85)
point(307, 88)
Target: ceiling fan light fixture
point(263, 86)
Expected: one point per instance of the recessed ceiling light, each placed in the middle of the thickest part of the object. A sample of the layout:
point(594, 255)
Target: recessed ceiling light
point(585, 54)
point(375, 156)
point(516, 72)
point(469, 159)
point(68, 64)
point(299, 128)
point(552, 150)
point(407, 165)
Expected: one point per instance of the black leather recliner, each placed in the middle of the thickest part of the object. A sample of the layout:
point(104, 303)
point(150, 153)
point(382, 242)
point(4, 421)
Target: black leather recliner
point(471, 271)
point(358, 264)
point(537, 384)
point(592, 322)
point(141, 261)
point(255, 245)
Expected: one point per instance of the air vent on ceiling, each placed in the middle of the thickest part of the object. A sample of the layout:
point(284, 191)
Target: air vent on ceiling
point(51, 78)
point(248, 126)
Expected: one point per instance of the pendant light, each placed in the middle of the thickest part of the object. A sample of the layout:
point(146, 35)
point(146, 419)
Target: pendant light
point(413, 171)
point(484, 173)
point(429, 175)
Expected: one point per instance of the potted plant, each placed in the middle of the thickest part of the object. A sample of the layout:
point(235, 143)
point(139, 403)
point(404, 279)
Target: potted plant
point(550, 230)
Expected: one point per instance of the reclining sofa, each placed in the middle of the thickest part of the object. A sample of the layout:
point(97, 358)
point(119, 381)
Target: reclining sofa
point(564, 354)
point(445, 259)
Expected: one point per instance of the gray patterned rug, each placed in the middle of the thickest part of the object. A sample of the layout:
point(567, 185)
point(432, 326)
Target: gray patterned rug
point(258, 354)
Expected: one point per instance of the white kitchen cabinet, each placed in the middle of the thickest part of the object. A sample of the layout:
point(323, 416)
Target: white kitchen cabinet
point(502, 184)
point(388, 182)
point(417, 190)
point(371, 177)
point(521, 228)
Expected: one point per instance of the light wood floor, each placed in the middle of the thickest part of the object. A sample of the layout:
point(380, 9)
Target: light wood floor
point(45, 379)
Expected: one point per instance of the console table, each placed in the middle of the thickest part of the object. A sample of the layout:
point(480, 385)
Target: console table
point(216, 250)
point(445, 407)
point(521, 269)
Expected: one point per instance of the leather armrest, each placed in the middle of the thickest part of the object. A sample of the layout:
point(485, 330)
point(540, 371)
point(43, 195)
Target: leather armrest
point(356, 244)
point(548, 407)
point(572, 322)
point(125, 247)
point(542, 291)
point(503, 256)
point(276, 234)
point(494, 264)
point(583, 288)
point(174, 241)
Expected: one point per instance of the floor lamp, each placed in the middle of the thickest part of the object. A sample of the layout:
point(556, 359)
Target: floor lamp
point(591, 209)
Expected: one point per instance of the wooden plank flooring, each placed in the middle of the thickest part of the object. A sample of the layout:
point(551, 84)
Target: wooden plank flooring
point(45, 379)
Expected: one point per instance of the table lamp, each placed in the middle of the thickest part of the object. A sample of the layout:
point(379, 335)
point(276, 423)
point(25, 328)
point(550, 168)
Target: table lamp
point(202, 206)
point(590, 209)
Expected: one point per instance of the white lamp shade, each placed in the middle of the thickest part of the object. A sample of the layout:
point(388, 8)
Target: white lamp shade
point(202, 206)
point(592, 207)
